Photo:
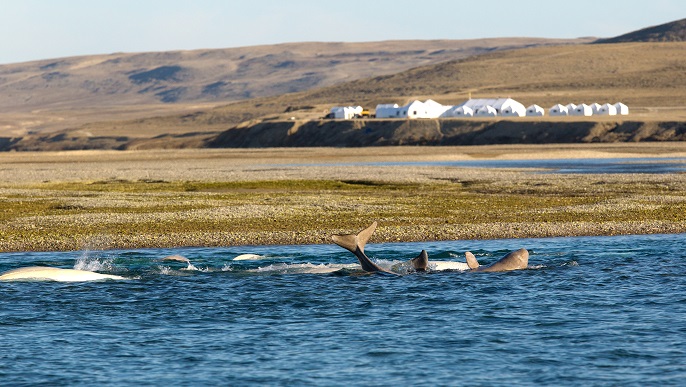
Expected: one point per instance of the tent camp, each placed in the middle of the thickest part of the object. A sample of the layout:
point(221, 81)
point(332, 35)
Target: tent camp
point(595, 108)
point(570, 108)
point(535, 111)
point(559, 110)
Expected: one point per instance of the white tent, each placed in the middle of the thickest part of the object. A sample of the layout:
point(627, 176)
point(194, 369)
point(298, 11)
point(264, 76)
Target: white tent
point(414, 109)
point(426, 109)
point(595, 108)
point(607, 110)
point(346, 112)
point(570, 108)
point(486, 111)
point(535, 110)
point(388, 111)
point(513, 110)
point(582, 110)
point(462, 111)
point(433, 109)
point(622, 109)
point(559, 110)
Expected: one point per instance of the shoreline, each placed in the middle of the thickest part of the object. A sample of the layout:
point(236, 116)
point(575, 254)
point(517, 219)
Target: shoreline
point(163, 199)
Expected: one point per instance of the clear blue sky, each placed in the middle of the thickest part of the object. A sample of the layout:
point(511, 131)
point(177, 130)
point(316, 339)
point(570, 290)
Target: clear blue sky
point(42, 29)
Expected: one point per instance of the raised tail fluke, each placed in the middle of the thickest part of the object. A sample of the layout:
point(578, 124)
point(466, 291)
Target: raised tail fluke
point(353, 242)
point(356, 243)
point(471, 260)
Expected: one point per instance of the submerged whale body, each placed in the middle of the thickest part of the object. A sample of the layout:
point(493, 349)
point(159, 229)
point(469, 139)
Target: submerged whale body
point(40, 273)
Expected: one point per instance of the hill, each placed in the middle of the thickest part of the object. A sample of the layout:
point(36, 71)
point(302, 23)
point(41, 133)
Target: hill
point(649, 77)
point(669, 32)
point(62, 93)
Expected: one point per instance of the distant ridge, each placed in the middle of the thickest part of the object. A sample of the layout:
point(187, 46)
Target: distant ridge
point(669, 32)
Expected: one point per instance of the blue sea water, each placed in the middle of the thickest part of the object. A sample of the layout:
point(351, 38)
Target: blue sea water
point(653, 165)
point(588, 311)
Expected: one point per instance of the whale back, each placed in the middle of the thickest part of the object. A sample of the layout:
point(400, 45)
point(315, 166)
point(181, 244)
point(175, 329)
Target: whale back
point(515, 260)
point(40, 273)
point(421, 262)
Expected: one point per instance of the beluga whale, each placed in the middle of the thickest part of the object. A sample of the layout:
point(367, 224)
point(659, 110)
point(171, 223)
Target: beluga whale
point(515, 260)
point(355, 243)
point(44, 273)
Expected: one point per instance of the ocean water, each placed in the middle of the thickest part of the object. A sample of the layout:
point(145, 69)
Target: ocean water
point(652, 165)
point(587, 311)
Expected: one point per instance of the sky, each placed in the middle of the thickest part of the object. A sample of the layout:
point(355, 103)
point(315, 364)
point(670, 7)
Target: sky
point(46, 29)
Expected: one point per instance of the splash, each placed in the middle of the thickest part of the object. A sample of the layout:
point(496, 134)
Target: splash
point(90, 262)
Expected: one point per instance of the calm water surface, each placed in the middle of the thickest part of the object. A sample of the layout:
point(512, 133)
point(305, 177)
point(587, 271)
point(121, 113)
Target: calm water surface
point(588, 311)
point(652, 165)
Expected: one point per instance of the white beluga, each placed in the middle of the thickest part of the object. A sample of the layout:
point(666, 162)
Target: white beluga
point(44, 273)
point(181, 258)
point(248, 257)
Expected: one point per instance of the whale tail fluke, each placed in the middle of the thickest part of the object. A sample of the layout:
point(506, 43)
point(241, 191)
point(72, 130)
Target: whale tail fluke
point(353, 242)
point(421, 262)
point(356, 243)
point(471, 260)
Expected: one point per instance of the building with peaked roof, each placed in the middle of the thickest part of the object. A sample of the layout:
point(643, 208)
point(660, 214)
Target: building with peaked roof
point(622, 109)
point(499, 104)
point(460, 111)
point(486, 111)
point(607, 110)
point(387, 111)
point(535, 111)
point(582, 110)
point(559, 110)
point(414, 109)
point(346, 112)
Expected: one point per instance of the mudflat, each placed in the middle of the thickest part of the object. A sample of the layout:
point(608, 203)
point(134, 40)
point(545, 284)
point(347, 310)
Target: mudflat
point(224, 197)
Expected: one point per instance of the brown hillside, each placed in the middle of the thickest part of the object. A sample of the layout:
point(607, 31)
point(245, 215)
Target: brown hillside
point(668, 32)
point(649, 77)
point(64, 93)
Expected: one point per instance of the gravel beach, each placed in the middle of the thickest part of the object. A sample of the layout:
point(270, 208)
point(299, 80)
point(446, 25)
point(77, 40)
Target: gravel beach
point(228, 197)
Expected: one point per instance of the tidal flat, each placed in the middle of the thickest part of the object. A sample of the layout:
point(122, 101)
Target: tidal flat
point(227, 197)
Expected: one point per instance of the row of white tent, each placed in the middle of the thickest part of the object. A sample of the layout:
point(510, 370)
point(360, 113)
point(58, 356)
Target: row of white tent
point(506, 107)
point(589, 110)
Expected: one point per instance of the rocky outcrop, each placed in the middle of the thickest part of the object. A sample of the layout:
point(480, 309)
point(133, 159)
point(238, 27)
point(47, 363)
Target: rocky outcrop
point(442, 132)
